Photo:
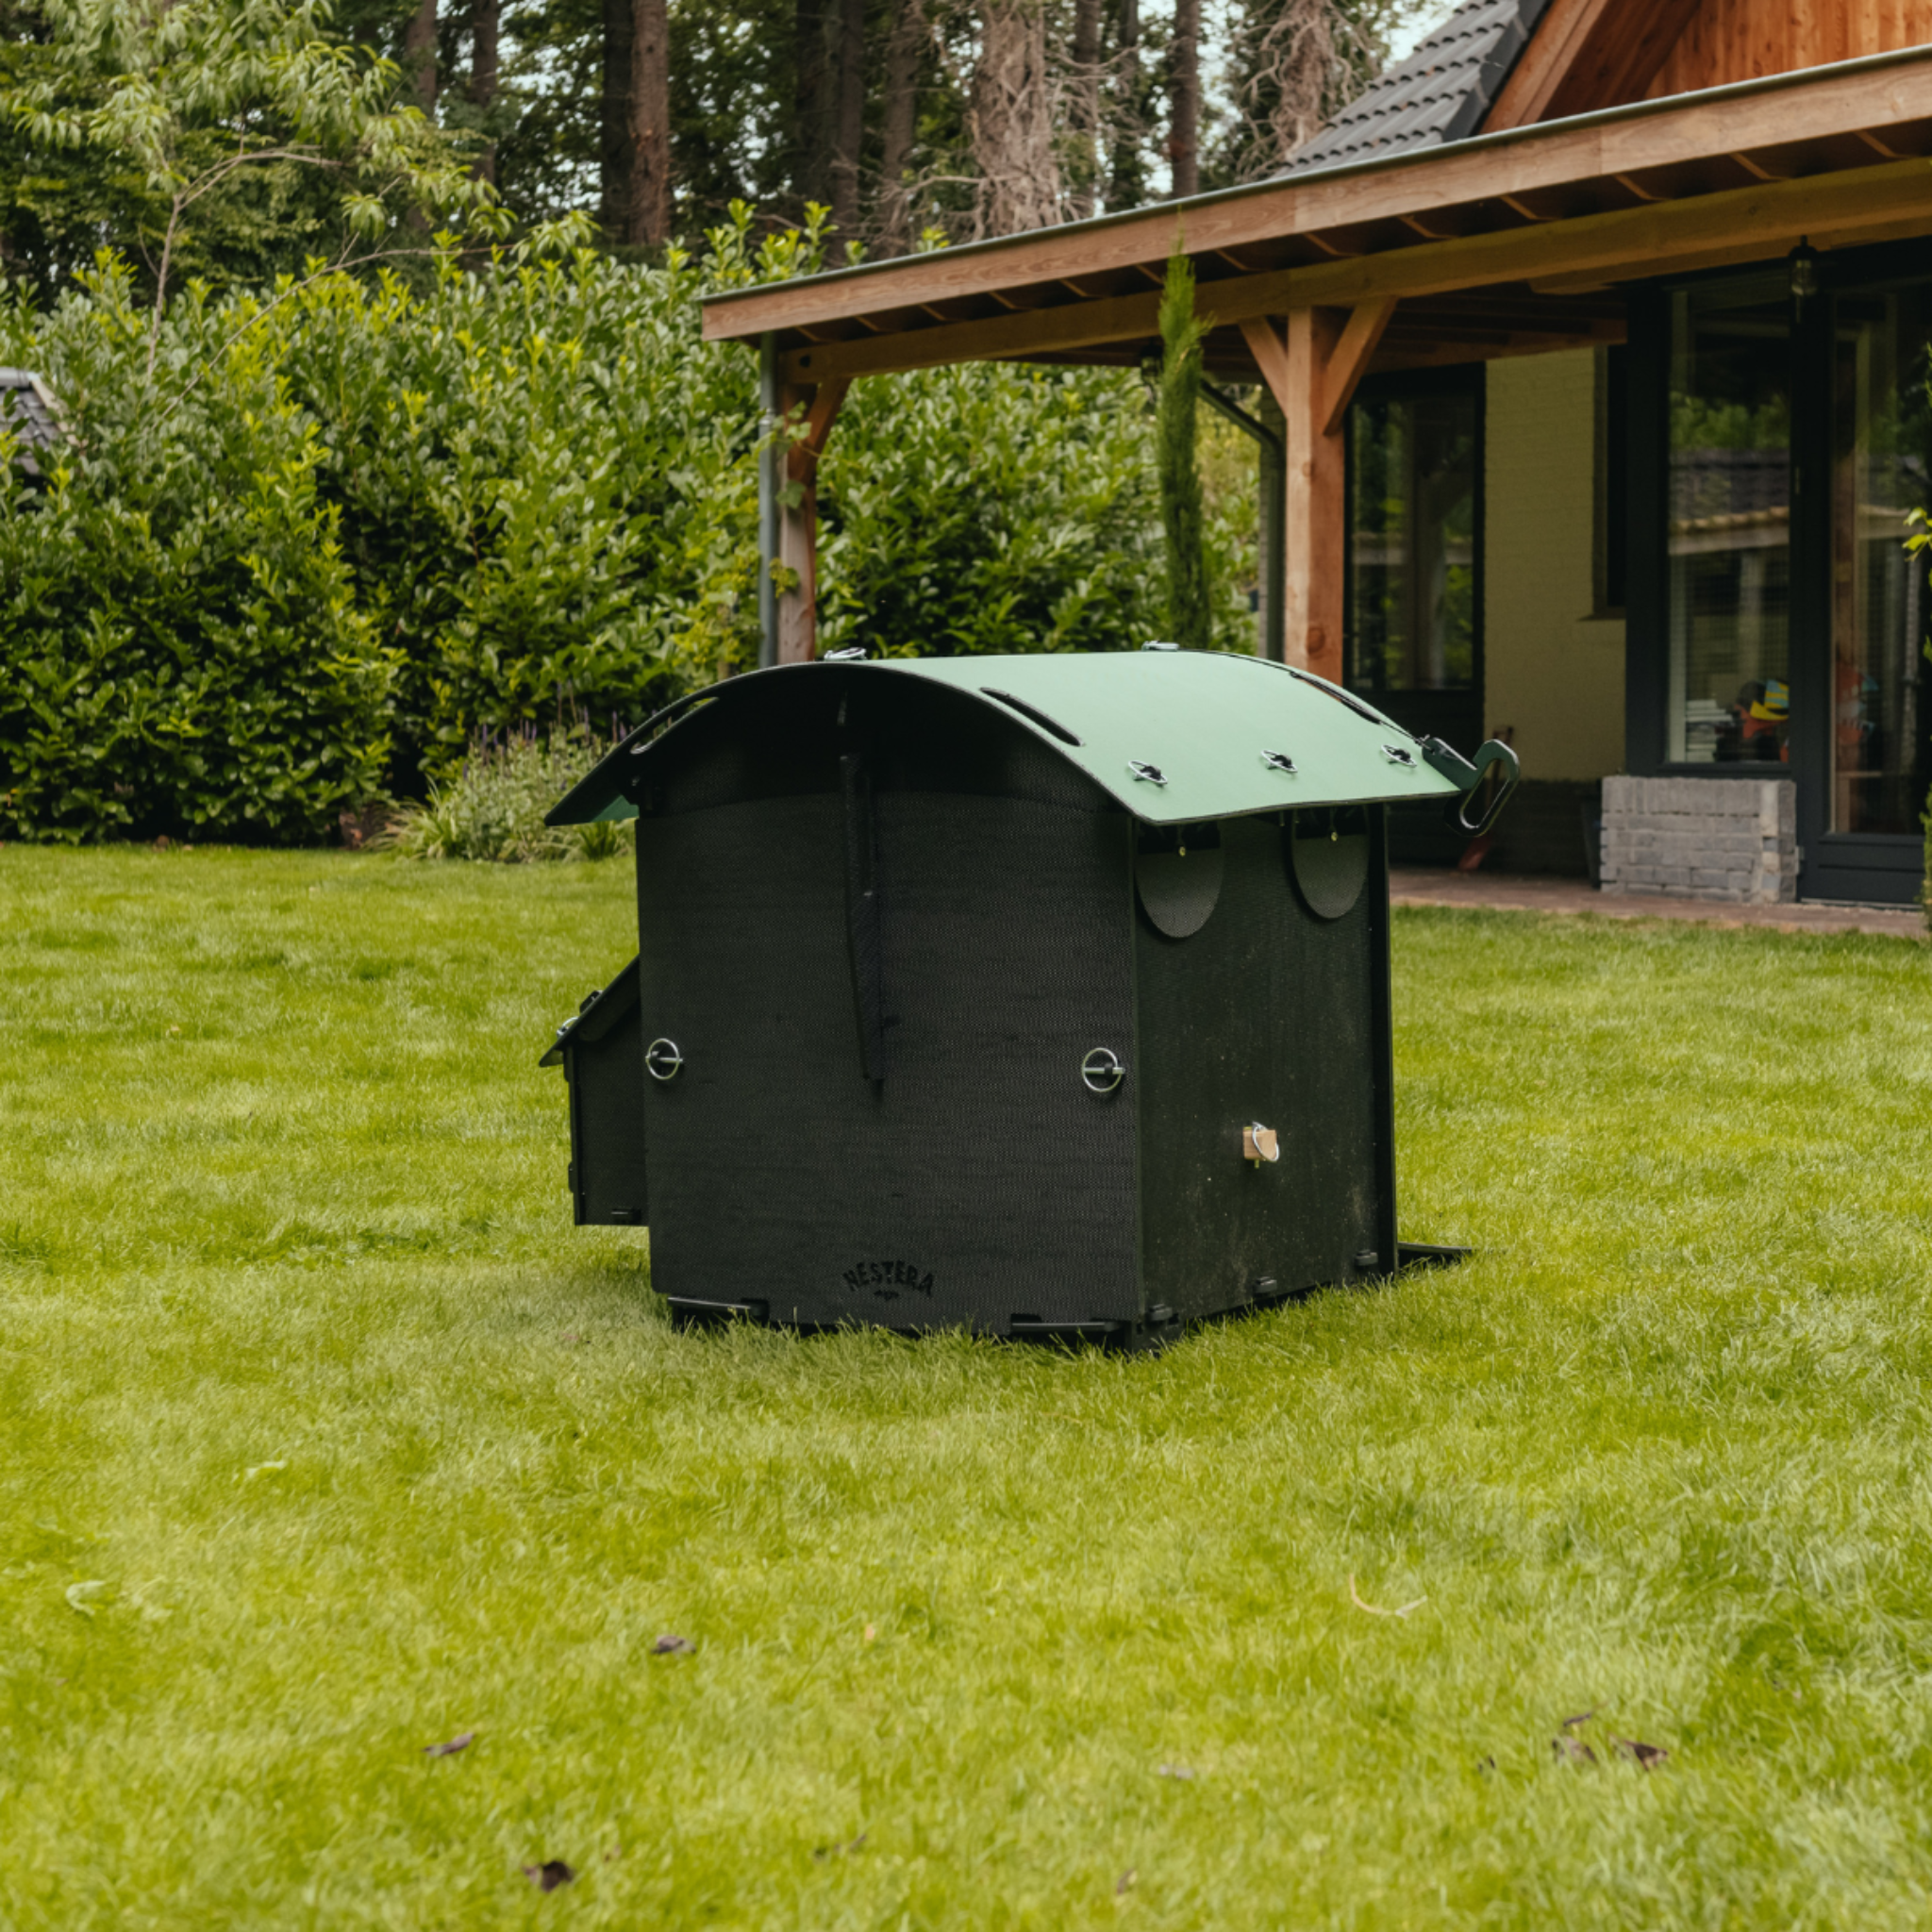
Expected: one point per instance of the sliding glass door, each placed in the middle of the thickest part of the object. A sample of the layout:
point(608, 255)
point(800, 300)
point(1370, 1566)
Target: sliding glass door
point(1781, 444)
point(1881, 754)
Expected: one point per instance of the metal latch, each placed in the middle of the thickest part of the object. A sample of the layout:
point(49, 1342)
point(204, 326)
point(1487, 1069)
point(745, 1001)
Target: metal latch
point(1260, 1143)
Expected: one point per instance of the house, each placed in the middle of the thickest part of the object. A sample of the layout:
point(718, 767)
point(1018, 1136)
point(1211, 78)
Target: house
point(27, 414)
point(1598, 333)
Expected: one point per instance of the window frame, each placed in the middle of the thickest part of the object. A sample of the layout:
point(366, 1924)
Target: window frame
point(1449, 702)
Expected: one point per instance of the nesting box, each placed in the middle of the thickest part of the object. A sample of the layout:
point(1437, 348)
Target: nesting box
point(1032, 994)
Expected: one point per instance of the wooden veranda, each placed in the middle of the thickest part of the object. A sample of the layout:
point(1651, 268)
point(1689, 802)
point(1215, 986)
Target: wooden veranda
point(1513, 241)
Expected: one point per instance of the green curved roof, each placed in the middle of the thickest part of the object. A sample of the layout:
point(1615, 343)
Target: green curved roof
point(1206, 721)
point(1175, 735)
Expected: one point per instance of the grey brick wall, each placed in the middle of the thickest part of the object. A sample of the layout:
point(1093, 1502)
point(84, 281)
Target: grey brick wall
point(1702, 839)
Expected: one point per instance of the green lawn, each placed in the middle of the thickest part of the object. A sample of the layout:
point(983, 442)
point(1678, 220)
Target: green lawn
point(324, 1438)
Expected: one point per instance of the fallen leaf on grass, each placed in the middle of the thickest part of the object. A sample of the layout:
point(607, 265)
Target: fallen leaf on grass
point(1649, 1756)
point(549, 1875)
point(78, 1593)
point(1124, 1883)
point(450, 1749)
point(1582, 1717)
point(1572, 1750)
point(841, 1851)
point(255, 1468)
point(672, 1646)
point(1180, 1771)
point(1376, 1610)
point(871, 1631)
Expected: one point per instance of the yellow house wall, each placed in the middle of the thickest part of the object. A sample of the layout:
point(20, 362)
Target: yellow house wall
point(1552, 670)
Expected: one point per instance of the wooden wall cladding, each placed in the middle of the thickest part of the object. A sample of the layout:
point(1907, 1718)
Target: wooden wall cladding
point(1740, 40)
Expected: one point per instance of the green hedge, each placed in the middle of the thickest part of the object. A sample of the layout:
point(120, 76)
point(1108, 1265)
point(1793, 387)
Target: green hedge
point(341, 527)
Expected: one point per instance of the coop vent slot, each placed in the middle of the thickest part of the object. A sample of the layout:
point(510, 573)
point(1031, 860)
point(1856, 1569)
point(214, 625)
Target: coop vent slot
point(1340, 696)
point(1051, 726)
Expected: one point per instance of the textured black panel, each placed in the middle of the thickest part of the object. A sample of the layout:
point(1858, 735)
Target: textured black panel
point(604, 1061)
point(1266, 1015)
point(980, 1180)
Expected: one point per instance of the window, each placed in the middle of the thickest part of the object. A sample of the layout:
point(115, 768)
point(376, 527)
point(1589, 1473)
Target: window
point(1881, 459)
point(1413, 498)
point(1730, 507)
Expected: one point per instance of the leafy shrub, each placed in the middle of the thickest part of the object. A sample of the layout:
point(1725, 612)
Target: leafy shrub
point(184, 649)
point(341, 527)
point(493, 806)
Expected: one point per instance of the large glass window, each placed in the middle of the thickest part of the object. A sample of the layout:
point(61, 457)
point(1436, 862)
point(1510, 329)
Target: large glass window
point(1881, 453)
point(1730, 518)
point(1412, 541)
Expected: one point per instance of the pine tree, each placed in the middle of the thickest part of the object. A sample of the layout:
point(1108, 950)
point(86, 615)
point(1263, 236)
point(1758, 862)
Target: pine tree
point(1190, 604)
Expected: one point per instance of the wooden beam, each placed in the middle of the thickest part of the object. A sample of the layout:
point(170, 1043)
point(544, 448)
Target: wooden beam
point(1741, 224)
point(1587, 54)
point(1271, 356)
point(1316, 507)
point(1802, 108)
point(1349, 361)
point(1555, 43)
point(821, 412)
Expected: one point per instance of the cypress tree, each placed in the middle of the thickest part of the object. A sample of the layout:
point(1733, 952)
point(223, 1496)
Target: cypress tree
point(1190, 606)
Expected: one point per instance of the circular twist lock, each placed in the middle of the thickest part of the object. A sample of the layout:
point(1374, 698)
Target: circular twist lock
point(1101, 1072)
point(662, 1059)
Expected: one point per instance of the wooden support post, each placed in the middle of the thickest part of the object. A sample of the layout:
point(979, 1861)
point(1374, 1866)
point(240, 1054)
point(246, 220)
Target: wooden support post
point(791, 637)
point(1298, 372)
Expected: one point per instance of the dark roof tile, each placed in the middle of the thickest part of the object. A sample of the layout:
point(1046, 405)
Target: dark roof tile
point(1440, 93)
point(27, 408)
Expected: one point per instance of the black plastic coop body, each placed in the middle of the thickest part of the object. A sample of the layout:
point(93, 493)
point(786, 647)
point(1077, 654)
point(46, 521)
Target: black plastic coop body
point(1028, 995)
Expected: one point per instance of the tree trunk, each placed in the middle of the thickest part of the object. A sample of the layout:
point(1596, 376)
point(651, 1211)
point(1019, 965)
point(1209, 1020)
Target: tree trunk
point(849, 118)
point(812, 101)
point(1083, 110)
point(419, 63)
point(1296, 60)
point(905, 60)
point(650, 125)
point(613, 155)
point(418, 53)
point(1009, 119)
point(1184, 92)
point(1127, 188)
point(485, 18)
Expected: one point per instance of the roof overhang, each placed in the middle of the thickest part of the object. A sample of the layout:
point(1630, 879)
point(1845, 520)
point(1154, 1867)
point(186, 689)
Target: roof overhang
point(1172, 736)
point(1496, 244)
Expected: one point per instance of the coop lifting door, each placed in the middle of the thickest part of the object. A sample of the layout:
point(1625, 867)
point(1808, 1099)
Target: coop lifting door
point(745, 987)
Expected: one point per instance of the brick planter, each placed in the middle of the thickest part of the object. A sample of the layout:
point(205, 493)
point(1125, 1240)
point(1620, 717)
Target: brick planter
point(1702, 839)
